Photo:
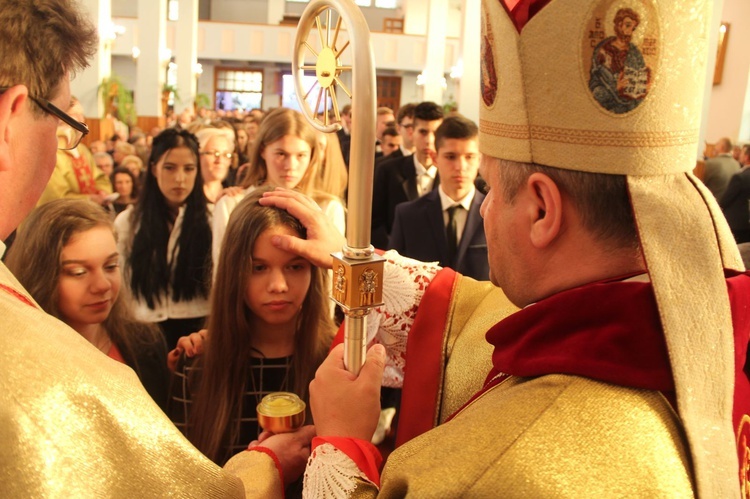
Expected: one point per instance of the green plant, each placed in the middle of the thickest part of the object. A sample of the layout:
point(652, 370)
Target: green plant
point(117, 99)
point(171, 89)
point(202, 100)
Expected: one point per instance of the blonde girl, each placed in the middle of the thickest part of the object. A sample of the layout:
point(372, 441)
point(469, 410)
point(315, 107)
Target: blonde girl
point(285, 154)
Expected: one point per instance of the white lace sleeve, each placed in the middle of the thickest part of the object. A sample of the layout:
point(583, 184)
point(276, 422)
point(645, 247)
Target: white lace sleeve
point(404, 284)
point(331, 473)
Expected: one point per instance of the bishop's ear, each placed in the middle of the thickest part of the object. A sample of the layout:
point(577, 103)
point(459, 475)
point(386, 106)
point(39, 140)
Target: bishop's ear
point(545, 209)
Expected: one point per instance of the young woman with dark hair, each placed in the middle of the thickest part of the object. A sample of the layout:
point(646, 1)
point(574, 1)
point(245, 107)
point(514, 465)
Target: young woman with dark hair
point(165, 240)
point(125, 184)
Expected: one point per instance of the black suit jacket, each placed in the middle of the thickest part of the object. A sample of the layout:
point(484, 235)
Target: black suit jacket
point(735, 203)
point(419, 232)
point(395, 183)
point(345, 141)
point(379, 160)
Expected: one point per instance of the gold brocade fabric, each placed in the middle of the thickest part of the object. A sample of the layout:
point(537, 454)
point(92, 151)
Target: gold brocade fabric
point(559, 437)
point(75, 423)
point(475, 308)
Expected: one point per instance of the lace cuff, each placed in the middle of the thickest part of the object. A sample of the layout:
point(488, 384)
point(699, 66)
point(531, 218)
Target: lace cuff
point(404, 284)
point(332, 473)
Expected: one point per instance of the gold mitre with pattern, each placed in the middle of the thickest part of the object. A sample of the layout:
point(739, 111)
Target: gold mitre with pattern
point(616, 87)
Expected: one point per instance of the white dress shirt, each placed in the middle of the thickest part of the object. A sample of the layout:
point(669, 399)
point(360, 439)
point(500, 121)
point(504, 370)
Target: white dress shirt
point(461, 215)
point(425, 176)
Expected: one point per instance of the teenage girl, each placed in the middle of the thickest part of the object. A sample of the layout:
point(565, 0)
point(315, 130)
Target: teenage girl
point(268, 331)
point(165, 240)
point(83, 287)
point(284, 154)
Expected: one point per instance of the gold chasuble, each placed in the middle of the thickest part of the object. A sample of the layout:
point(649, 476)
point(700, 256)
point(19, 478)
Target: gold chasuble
point(75, 423)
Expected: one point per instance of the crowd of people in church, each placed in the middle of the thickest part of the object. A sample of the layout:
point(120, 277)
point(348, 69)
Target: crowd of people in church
point(153, 232)
point(166, 282)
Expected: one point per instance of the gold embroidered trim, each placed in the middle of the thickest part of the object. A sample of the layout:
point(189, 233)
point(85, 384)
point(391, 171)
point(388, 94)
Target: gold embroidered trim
point(504, 130)
point(590, 137)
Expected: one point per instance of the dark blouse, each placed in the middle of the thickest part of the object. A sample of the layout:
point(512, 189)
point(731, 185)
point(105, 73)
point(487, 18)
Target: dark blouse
point(264, 377)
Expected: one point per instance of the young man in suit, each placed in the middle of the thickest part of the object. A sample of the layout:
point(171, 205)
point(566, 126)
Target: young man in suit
point(406, 178)
point(735, 203)
point(444, 225)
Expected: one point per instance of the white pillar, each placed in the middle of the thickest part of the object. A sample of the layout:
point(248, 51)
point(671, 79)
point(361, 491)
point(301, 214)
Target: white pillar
point(434, 71)
point(415, 22)
point(85, 85)
point(186, 53)
point(713, 42)
point(152, 41)
point(275, 12)
point(468, 84)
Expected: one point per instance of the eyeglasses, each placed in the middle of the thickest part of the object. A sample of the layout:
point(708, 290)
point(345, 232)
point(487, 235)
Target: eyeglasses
point(79, 129)
point(217, 154)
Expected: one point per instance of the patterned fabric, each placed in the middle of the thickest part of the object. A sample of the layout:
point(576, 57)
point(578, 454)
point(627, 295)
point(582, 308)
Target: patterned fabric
point(265, 376)
point(404, 284)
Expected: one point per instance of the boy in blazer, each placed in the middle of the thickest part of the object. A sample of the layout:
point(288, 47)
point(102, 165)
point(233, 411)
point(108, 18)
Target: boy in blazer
point(444, 225)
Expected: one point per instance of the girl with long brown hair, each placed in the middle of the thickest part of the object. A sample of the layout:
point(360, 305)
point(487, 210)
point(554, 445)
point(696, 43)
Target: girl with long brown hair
point(285, 154)
point(66, 256)
point(268, 330)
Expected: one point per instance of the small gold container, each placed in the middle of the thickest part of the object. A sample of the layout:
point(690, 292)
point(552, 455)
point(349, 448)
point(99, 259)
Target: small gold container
point(281, 412)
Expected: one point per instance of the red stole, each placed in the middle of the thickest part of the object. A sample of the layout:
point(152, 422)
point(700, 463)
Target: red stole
point(82, 171)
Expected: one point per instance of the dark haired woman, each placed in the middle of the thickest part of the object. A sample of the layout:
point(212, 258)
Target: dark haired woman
point(165, 240)
point(125, 184)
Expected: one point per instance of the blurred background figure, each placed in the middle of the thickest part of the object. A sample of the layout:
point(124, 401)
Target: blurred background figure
point(333, 174)
point(735, 203)
point(344, 135)
point(105, 162)
point(134, 164)
point(126, 186)
point(383, 119)
point(76, 175)
point(405, 127)
point(121, 149)
point(216, 154)
point(720, 168)
point(97, 146)
point(391, 144)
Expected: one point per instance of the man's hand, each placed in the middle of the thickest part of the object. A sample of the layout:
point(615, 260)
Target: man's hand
point(192, 345)
point(322, 237)
point(345, 405)
point(291, 449)
point(99, 198)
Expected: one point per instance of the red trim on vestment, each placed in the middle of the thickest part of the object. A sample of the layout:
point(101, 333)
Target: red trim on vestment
point(364, 454)
point(18, 295)
point(115, 354)
point(272, 454)
point(521, 11)
point(739, 293)
point(487, 386)
point(609, 331)
point(424, 359)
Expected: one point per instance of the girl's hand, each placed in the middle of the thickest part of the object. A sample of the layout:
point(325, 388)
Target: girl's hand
point(291, 449)
point(322, 236)
point(191, 345)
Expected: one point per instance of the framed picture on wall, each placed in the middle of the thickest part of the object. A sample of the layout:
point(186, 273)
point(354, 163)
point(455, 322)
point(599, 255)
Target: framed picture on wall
point(721, 51)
